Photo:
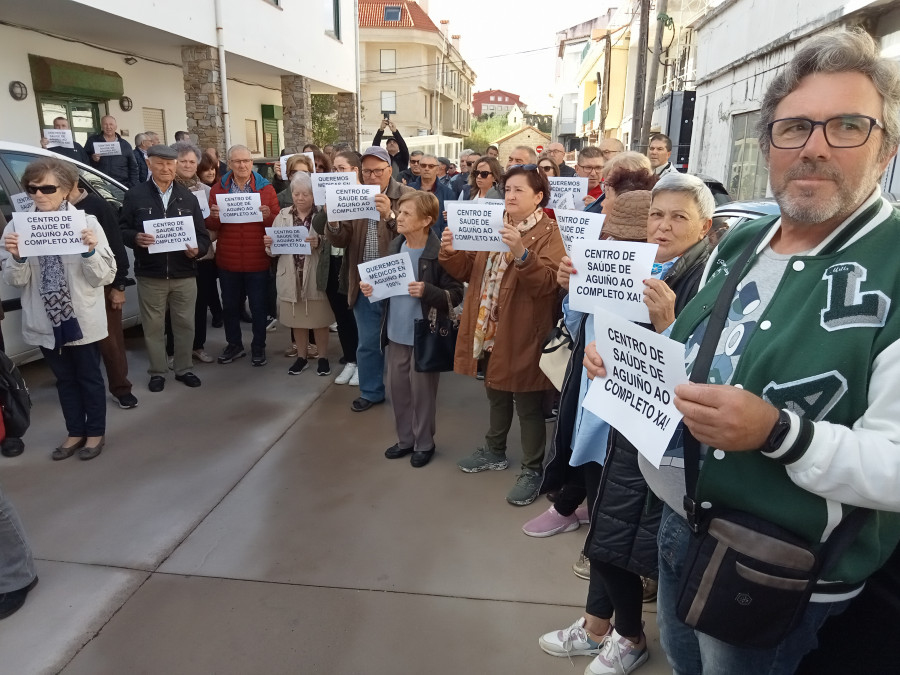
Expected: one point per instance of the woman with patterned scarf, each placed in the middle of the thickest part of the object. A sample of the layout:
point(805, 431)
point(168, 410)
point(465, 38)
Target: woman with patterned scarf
point(508, 312)
point(301, 280)
point(63, 309)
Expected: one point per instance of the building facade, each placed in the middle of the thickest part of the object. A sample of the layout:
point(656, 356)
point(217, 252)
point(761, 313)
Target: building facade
point(412, 72)
point(495, 102)
point(157, 67)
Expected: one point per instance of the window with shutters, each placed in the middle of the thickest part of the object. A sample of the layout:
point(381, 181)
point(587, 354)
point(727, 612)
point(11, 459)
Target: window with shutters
point(155, 121)
point(252, 132)
point(271, 142)
point(388, 60)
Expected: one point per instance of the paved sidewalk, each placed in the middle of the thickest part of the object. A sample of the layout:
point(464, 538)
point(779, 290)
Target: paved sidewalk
point(253, 526)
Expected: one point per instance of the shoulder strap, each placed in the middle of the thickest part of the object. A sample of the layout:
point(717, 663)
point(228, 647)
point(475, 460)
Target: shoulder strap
point(700, 372)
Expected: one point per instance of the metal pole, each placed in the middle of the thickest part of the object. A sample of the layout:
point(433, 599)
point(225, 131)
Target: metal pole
point(640, 82)
point(220, 44)
point(653, 73)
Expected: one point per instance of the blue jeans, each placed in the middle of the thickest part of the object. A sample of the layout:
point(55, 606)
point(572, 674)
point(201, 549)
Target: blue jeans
point(691, 652)
point(16, 563)
point(234, 286)
point(79, 384)
point(369, 357)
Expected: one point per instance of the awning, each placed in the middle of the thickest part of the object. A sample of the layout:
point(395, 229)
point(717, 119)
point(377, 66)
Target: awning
point(74, 79)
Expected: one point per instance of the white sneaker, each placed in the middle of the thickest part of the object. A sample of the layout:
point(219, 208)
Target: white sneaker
point(333, 327)
point(571, 641)
point(346, 374)
point(618, 656)
point(202, 356)
point(354, 381)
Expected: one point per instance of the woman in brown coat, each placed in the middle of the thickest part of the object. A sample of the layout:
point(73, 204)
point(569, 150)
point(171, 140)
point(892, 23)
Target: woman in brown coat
point(508, 311)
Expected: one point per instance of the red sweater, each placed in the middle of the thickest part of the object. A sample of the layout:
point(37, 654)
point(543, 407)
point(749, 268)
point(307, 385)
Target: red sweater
point(239, 246)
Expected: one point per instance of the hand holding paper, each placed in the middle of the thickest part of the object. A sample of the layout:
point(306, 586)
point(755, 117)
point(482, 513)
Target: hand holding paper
point(611, 276)
point(388, 276)
point(725, 417)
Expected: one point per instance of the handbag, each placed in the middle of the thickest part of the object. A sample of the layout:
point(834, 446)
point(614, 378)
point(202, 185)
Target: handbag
point(434, 341)
point(555, 354)
point(746, 581)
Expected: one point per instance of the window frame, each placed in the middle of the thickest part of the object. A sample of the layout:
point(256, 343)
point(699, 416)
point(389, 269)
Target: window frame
point(381, 63)
point(254, 147)
point(392, 95)
point(392, 8)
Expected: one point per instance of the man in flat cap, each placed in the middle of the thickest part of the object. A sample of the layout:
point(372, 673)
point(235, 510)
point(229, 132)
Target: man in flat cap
point(164, 280)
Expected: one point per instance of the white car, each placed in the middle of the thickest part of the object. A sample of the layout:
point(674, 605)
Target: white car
point(14, 157)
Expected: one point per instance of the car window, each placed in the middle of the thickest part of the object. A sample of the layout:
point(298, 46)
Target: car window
point(88, 179)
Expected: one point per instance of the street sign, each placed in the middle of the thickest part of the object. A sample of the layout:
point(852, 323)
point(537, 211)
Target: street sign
point(539, 149)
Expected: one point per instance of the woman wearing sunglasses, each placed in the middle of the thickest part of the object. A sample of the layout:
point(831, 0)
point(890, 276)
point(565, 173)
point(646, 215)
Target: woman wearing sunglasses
point(483, 180)
point(63, 309)
point(548, 166)
point(507, 313)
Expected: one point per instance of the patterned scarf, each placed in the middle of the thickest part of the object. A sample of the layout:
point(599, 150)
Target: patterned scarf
point(54, 290)
point(189, 183)
point(488, 313)
point(299, 259)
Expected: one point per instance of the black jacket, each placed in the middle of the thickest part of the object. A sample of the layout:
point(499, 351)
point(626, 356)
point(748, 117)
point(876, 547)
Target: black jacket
point(143, 202)
point(141, 162)
point(624, 520)
point(400, 161)
point(566, 171)
point(103, 212)
point(438, 283)
point(77, 153)
point(121, 167)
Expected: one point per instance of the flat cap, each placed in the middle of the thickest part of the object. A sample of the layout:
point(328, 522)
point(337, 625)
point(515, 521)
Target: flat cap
point(162, 151)
point(377, 151)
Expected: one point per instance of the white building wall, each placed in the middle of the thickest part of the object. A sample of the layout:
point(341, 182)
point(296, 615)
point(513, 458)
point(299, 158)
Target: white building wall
point(246, 104)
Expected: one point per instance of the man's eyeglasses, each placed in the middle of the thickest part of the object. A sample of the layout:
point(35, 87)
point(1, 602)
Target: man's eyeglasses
point(483, 174)
point(590, 169)
point(844, 131)
point(608, 153)
point(43, 189)
point(413, 162)
point(526, 167)
point(467, 163)
point(374, 172)
point(427, 166)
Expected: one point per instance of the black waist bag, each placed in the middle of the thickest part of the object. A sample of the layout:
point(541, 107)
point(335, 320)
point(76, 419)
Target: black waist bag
point(745, 581)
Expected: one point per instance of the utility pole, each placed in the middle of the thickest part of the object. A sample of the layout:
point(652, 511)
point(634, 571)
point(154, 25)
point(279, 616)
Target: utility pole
point(640, 82)
point(653, 72)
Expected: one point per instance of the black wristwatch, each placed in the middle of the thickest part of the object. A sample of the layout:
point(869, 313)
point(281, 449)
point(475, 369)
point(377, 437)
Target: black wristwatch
point(778, 434)
point(119, 286)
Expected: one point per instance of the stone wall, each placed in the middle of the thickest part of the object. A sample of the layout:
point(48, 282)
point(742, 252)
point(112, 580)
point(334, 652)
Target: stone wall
point(203, 96)
point(298, 129)
point(526, 136)
point(347, 119)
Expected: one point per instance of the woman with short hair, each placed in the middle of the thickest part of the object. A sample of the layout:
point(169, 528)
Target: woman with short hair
point(63, 308)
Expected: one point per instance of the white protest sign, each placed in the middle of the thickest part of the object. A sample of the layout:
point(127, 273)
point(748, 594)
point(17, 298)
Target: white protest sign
point(321, 181)
point(203, 200)
point(240, 207)
point(171, 234)
point(107, 149)
point(284, 160)
point(388, 276)
point(351, 202)
point(312, 159)
point(21, 201)
point(475, 227)
point(578, 225)
point(59, 138)
point(493, 202)
point(637, 395)
point(289, 240)
point(565, 202)
point(50, 232)
point(576, 185)
point(611, 276)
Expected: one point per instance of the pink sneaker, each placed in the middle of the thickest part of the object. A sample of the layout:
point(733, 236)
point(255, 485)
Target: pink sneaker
point(584, 517)
point(549, 523)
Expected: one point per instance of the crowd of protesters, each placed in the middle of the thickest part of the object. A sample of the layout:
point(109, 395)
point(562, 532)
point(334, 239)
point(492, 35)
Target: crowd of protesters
point(800, 439)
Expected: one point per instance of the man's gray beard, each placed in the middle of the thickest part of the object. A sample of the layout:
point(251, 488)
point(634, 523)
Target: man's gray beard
point(846, 200)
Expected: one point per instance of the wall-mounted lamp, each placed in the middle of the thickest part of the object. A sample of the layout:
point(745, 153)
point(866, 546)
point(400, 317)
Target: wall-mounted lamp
point(126, 103)
point(130, 60)
point(18, 90)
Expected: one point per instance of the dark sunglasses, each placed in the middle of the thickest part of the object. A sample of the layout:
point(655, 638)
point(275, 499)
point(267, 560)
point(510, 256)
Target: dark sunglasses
point(43, 189)
point(547, 169)
point(526, 167)
point(483, 174)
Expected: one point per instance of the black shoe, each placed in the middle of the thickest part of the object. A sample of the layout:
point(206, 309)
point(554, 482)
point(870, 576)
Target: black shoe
point(552, 496)
point(421, 457)
point(157, 383)
point(299, 366)
point(12, 447)
point(189, 379)
point(230, 353)
point(361, 404)
point(396, 452)
point(12, 602)
point(127, 401)
point(324, 367)
point(217, 322)
point(258, 358)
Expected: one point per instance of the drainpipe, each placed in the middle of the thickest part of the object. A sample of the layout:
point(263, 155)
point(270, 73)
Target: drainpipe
point(220, 45)
point(356, 68)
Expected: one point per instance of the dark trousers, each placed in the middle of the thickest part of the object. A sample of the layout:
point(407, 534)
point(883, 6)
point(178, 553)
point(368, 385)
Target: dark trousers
point(235, 286)
point(79, 384)
point(112, 349)
point(572, 493)
point(532, 426)
point(612, 589)
point(346, 322)
point(208, 290)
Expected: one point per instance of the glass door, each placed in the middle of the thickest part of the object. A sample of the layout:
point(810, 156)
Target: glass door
point(83, 116)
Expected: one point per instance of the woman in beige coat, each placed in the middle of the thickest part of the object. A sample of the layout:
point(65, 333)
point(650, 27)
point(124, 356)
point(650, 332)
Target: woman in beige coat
point(302, 302)
point(508, 312)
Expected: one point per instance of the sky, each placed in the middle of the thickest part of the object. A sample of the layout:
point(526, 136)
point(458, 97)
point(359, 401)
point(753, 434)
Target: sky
point(494, 31)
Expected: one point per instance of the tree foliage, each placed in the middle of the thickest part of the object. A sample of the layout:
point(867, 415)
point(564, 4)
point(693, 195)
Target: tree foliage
point(324, 119)
point(486, 130)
